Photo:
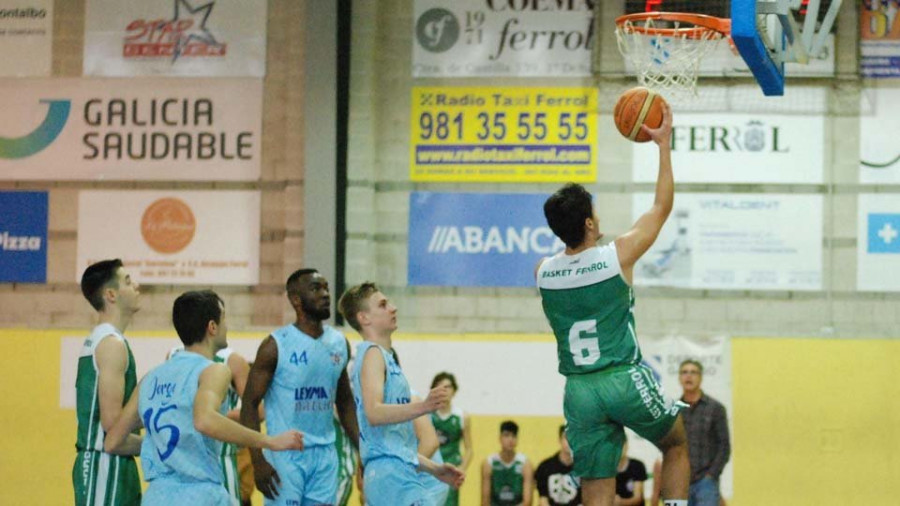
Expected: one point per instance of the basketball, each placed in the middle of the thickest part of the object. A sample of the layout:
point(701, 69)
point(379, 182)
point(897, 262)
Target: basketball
point(636, 107)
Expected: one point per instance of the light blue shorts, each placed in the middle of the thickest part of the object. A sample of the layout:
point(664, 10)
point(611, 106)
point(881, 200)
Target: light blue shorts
point(171, 492)
point(308, 477)
point(393, 482)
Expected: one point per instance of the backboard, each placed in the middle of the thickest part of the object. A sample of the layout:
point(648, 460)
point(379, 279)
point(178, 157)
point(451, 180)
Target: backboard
point(770, 36)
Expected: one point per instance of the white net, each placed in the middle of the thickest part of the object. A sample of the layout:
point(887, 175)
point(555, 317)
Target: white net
point(666, 55)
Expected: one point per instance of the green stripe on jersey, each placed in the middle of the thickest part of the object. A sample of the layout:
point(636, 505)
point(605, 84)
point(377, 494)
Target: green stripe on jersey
point(87, 403)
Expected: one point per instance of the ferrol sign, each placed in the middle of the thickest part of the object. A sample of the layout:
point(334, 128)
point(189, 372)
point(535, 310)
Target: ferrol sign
point(149, 129)
point(524, 38)
point(740, 148)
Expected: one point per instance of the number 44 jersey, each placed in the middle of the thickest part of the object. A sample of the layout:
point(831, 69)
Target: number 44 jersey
point(173, 448)
point(590, 308)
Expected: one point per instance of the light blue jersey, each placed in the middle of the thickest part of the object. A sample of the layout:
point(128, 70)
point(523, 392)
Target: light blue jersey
point(301, 396)
point(396, 440)
point(174, 451)
point(302, 392)
point(389, 452)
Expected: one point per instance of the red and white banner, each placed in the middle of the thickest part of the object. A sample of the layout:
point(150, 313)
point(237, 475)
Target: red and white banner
point(173, 237)
point(175, 38)
point(143, 129)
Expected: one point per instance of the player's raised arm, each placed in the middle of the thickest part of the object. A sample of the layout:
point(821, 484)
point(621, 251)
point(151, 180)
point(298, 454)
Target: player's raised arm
point(631, 245)
point(379, 413)
point(213, 384)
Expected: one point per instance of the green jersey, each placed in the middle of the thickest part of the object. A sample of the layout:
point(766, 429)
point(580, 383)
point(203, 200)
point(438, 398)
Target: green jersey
point(449, 430)
point(347, 460)
point(87, 403)
point(232, 400)
point(507, 481)
point(590, 308)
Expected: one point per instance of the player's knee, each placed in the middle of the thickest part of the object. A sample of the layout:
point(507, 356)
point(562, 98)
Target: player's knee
point(676, 438)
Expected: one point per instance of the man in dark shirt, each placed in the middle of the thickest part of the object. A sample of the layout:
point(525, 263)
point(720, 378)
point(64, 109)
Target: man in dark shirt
point(555, 483)
point(707, 435)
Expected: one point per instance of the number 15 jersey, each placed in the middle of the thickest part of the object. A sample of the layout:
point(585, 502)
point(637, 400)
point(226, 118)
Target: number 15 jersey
point(590, 308)
point(172, 447)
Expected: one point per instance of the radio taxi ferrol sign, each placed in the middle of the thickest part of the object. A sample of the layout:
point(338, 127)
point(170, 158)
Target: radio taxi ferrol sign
point(477, 38)
point(145, 129)
point(508, 135)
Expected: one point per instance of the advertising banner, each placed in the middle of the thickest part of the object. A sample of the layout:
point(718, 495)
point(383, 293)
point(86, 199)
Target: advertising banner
point(879, 39)
point(478, 38)
point(23, 237)
point(879, 122)
point(739, 148)
point(175, 38)
point(26, 37)
point(510, 135)
point(878, 243)
point(147, 129)
point(735, 242)
point(173, 237)
point(477, 239)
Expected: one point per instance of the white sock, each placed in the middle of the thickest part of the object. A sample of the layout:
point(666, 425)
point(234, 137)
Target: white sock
point(675, 502)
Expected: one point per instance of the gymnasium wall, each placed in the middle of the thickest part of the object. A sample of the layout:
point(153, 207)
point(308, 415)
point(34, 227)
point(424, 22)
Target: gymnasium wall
point(813, 420)
point(379, 189)
point(59, 304)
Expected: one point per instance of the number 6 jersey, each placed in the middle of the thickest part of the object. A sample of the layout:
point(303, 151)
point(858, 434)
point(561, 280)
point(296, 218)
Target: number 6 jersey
point(172, 447)
point(590, 308)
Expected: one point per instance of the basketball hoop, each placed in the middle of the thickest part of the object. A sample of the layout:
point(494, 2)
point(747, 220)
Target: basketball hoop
point(665, 48)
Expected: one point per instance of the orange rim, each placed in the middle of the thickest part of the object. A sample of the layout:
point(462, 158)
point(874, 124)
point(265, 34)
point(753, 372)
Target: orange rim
point(703, 25)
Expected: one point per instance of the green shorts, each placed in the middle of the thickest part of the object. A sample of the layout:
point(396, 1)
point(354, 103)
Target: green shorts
point(599, 405)
point(104, 479)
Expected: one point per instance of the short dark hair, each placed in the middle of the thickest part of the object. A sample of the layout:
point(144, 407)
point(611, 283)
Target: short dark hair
point(566, 211)
point(562, 430)
point(509, 426)
point(97, 277)
point(353, 301)
point(193, 311)
point(444, 375)
point(291, 285)
point(691, 361)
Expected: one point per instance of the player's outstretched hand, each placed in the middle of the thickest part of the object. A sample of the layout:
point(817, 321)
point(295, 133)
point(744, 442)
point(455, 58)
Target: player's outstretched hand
point(450, 474)
point(662, 135)
point(266, 478)
point(437, 397)
point(287, 440)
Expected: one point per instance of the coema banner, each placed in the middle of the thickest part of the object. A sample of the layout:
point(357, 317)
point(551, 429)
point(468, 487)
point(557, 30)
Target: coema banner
point(735, 241)
point(511, 135)
point(477, 38)
point(26, 37)
point(23, 237)
point(739, 148)
point(879, 123)
point(880, 38)
point(173, 237)
point(175, 38)
point(147, 129)
point(878, 243)
point(477, 239)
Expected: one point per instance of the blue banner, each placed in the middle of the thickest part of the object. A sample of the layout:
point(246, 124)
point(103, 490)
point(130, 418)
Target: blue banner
point(23, 237)
point(477, 239)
